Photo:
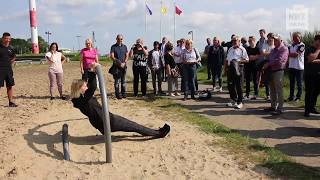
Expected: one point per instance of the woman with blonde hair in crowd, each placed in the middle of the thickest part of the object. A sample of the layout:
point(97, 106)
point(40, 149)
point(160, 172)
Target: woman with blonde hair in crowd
point(190, 58)
point(55, 73)
point(88, 56)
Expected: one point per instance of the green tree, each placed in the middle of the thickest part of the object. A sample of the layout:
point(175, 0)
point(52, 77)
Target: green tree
point(21, 46)
point(43, 45)
point(307, 37)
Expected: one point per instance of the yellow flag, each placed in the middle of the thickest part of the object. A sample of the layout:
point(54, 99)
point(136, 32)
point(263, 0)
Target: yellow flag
point(163, 10)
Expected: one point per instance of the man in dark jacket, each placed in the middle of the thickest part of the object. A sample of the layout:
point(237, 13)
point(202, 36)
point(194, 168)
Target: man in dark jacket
point(216, 57)
point(312, 77)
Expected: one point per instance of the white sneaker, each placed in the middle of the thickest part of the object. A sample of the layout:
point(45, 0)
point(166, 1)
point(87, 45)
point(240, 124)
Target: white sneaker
point(177, 94)
point(231, 104)
point(220, 89)
point(171, 94)
point(239, 106)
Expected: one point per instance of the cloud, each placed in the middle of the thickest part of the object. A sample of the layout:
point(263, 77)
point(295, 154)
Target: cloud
point(258, 14)
point(14, 17)
point(202, 18)
point(129, 11)
point(53, 17)
point(77, 3)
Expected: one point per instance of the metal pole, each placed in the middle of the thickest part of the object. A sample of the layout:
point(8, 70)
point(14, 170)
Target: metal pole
point(145, 17)
point(78, 42)
point(33, 26)
point(161, 19)
point(65, 142)
point(174, 22)
point(106, 117)
point(192, 36)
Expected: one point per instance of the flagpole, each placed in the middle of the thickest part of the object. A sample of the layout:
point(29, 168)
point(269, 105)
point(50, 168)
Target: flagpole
point(145, 17)
point(161, 19)
point(174, 21)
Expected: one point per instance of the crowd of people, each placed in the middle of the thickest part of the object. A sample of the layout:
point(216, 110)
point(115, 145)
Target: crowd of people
point(261, 62)
point(245, 61)
point(264, 63)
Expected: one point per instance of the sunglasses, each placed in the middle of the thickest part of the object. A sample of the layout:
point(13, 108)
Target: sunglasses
point(120, 39)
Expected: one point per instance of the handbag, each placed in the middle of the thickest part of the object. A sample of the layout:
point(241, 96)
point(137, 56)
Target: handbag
point(175, 72)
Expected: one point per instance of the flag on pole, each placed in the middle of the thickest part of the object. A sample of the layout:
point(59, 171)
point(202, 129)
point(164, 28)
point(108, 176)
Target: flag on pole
point(148, 10)
point(178, 10)
point(163, 10)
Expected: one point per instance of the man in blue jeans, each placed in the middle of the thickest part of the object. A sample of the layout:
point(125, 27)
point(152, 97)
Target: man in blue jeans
point(119, 55)
point(296, 65)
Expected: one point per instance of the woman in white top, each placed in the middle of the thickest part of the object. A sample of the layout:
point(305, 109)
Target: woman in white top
point(55, 73)
point(190, 58)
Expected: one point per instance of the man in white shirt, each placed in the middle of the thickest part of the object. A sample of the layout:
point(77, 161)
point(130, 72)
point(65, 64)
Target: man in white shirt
point(296, 65)
point(236, 55)
point(178, 51)
point(156, 66)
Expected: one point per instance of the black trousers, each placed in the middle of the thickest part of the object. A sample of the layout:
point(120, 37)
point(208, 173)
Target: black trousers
point(234, 85)
point(250, 72)
point(216, 73)
point(312, 88)
point(139, 72)
point(119, 123)
point(209, 69)
point(295, 75)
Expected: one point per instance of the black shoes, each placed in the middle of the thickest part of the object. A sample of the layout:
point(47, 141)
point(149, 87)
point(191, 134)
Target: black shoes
point(314, 112)
point(290, 99)
point(269, 109)
point(119, 97)
point(11, 104)
point(277, 112)
point(307, 114)
point(63, 97)
point(164, 131)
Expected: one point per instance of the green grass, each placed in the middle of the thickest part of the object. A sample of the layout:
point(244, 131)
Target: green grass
point(245, 149)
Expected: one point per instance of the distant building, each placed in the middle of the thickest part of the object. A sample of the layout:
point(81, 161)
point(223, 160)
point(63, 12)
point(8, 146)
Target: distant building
point(65, 50)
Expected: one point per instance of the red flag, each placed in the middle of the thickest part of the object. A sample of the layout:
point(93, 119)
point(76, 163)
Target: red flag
point(178, 11)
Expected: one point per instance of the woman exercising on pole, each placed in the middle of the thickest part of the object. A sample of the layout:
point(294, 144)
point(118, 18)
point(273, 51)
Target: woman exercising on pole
point(82, 98)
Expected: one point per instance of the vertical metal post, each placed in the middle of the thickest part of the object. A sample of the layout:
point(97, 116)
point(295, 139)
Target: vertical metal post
point(65, 142)
point(106, 117)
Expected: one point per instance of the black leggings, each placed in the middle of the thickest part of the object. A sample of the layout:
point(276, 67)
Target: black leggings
point(119, 123)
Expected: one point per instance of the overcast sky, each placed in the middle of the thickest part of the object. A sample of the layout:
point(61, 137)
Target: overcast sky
point(67, 19)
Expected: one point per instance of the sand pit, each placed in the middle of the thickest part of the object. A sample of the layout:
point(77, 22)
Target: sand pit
point(31, 145)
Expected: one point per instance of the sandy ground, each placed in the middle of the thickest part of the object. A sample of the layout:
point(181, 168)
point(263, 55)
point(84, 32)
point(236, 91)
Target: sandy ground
point(31, 148)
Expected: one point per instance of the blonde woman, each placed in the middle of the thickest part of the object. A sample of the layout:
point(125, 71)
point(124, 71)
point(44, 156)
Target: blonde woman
point(82, 98)
point(88, 56)
point(190, 58)
point(55, 73)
